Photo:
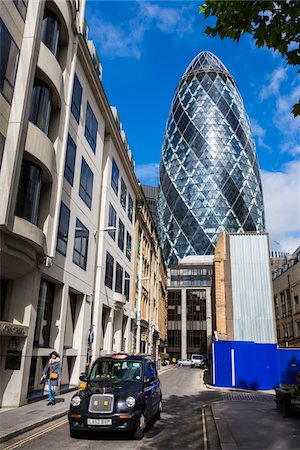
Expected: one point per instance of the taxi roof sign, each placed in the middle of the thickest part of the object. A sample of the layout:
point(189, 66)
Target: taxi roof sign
point(119, 356)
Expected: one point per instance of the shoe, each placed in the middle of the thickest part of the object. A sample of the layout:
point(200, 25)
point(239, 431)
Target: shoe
point(49, 403)
point(53, 403)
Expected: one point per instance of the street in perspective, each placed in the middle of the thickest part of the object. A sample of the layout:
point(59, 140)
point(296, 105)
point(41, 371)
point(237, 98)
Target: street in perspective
point(149, 224)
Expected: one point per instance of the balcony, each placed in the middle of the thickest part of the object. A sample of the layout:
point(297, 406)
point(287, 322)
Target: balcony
point(119, 300)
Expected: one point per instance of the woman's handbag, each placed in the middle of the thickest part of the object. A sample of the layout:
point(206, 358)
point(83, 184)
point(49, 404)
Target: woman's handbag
point(53, 376)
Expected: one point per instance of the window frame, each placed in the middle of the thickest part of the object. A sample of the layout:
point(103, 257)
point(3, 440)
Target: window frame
point(121, 235)
point(3, 75)
point(91, 127)
point(128, 245)
point(109, 270)
point(63, 237)
point(76, 101)
point(82, 255)
point(112, 220)
point(85, 185)
point(119, 278)
point(70, 160)
point(115, 175)
point(130, 208)
point(123, 194)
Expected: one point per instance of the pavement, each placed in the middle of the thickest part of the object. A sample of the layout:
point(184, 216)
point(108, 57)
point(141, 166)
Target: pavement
point(243, 419)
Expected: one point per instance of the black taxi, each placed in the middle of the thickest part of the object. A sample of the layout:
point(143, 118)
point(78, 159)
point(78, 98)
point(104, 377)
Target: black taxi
point(122, 392)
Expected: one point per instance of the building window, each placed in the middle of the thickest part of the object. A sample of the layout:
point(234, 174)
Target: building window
point(121, 235)
point(91, 127)
point(127, 286)
point(115, 177)
point(2, 144)
point(9, 57)
point(86, 183)
point(50, 31)
point(28, 199)
point(128, 246)
point(298, 326)
point(130, 208)
point(109, 270)
point(40, 109)
point(80, 245)
point(63, 229)
point(70, 160)
point(296, 298)
point(76, 99)
point(123, 194)
point(112, 220)
point(21, 6)
point(119, 278)
point(44, 314)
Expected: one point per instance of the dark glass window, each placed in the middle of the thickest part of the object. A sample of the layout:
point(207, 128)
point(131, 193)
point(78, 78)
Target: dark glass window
point(115, 177)
point(130, 207)
point(119, 278)
point(21, 6)
point(91, 127)
point(44, 314)
point(50, 31)
point(76, 99)
point(2, 144)
point(112, 220)
point(109, 270)
point(123, 194)
point(86, 183)
point(128, 246)
point(63, 229)
point(121, 235)
point(80, 245)
point(9, 57)
point(127, 286)
point(40, 108)
point(28, 199)
point(70, 160)
point(196, 321)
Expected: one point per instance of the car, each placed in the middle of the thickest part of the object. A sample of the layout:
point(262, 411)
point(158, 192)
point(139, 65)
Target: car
point(197, 360)
point(122, 392)
point(184, 362)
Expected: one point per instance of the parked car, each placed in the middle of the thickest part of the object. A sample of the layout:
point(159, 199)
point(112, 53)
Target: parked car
point(122, 393)
point(184, 362)
point(197, 360)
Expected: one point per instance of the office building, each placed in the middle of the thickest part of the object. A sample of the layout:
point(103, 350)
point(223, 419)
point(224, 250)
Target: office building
point(209, 178)
point(286, 287)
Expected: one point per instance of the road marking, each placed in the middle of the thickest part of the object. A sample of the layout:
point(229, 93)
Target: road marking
point(204, 429)
point(36, 435)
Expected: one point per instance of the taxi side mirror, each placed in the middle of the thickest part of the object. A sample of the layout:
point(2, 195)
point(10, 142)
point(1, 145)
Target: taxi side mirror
point(83, 378)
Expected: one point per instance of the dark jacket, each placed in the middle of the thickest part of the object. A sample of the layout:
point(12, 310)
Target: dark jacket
point(55, 368)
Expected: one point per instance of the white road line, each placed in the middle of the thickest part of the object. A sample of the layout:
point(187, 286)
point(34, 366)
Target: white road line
point(204, 429)
point(36, 435)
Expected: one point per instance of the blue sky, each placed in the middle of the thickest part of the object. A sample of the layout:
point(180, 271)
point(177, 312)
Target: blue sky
point(145, 47)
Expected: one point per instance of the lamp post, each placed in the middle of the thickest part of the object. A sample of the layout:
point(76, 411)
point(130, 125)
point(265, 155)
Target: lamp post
point(92, 297)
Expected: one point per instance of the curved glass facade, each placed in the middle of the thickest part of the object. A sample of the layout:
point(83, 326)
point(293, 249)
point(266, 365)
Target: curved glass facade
point(209, 176)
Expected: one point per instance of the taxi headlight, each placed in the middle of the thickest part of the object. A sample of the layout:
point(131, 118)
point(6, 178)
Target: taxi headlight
point(130, 402)
point(76, 400)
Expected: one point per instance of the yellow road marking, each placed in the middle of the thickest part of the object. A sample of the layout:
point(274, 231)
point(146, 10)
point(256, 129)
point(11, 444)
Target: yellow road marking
point(204, 429)
point(36, 435)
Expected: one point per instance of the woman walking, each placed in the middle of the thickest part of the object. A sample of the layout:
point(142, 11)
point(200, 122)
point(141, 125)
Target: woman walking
point(52, 373)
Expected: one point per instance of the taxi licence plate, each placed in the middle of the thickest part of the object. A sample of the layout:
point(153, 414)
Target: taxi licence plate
point(99, 422)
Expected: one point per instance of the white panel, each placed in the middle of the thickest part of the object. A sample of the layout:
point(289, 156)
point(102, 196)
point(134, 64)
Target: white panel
point(251, 288)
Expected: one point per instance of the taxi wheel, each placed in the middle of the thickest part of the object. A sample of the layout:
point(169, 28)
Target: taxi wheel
point(157, 416)
point(139, 432)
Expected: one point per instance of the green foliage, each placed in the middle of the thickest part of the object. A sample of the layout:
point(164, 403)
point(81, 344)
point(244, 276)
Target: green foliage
point(273, 24)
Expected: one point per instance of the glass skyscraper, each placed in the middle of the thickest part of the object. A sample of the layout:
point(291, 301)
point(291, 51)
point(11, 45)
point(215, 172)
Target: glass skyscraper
point(209, 176)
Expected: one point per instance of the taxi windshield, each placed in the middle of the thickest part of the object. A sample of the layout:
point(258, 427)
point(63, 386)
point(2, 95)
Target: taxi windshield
point(116, 371)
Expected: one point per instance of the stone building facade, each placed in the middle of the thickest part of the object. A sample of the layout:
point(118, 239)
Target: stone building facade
point(68, 201)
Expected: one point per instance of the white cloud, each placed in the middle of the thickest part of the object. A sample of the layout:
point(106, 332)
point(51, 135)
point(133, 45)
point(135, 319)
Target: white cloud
point(126, 38)
point(148, 173)
point(274, 82)
point(282, 199)
point(259, 132)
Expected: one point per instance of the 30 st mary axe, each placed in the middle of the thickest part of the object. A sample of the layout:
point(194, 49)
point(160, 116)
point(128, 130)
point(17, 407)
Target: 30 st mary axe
point(209, 175)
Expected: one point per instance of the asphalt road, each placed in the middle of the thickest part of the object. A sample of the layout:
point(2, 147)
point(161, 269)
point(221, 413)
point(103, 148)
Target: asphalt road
point(185, 423)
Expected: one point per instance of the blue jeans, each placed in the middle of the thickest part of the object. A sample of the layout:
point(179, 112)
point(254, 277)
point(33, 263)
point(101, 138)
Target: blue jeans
point(51, 395)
